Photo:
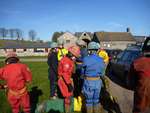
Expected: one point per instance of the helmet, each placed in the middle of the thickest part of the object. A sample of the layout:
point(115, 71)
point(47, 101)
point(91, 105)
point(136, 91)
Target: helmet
point(93, 45)
point(98, 45)
point(11, 54)
point(54, 45)
point(75, 50)
point(60, 42)
point(81, 43)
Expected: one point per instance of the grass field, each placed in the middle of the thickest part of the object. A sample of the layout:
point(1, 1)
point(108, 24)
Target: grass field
point(39, 87)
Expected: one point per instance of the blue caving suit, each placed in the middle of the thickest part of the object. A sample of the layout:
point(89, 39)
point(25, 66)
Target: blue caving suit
point(93, 66)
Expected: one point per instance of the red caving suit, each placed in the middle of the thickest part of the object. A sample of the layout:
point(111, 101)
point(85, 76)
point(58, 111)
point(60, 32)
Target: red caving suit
point(16, 76)
point(65, 70)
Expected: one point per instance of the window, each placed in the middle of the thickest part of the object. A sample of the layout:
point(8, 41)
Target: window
point(24, 49)
point(129, 56)
point(148, 43)
point(84, 34)
point(67, 41)
point(125, 56)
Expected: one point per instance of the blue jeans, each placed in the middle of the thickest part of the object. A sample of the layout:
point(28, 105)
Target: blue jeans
point(53, 82)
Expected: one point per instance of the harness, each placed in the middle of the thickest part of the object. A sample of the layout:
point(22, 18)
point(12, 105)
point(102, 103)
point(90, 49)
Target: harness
point(20, 92)
point(92, 78)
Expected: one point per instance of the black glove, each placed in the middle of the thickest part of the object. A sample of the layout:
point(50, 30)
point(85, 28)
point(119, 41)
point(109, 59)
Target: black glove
point(1, 87)
point(70, 87)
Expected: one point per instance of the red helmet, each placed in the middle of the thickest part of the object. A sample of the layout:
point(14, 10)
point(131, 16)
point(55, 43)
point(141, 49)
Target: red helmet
point(75, 50)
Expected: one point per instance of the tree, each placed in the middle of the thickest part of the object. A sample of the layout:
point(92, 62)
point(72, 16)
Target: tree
point(12, 33)
point(32, 35)
point(56, 35)
point(19, 34)
point(3, 33)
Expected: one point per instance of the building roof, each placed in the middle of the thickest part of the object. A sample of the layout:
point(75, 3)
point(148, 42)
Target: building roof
point(78, 34)
point(140, 38)
point(114, 36)
point(9, 44)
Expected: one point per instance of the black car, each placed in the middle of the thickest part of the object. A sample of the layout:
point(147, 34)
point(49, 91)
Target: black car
point(146, 46)
point(112, 53)
point(119, 66)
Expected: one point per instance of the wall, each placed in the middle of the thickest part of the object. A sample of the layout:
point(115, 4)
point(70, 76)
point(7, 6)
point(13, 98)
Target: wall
point(28, 52)
point(116, 44)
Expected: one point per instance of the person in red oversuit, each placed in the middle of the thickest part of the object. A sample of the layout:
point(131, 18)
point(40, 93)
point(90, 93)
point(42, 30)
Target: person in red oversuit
point(139, 80)
point(16, 76)
point(65, 70)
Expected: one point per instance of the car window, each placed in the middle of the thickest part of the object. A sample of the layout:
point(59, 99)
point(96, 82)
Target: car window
point(133, 56)
point(148, 43)
point(125, 56)
point(120, 55)
point(129, 56)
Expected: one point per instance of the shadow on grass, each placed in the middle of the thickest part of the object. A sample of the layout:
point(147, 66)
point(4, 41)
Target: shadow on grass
point(34, 97)
point(53, 111)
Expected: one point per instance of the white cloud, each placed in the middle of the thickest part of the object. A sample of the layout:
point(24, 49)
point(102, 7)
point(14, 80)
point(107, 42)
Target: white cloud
point(114, 26)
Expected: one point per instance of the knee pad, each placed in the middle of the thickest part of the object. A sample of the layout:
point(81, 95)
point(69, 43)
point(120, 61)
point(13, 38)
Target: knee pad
point(67, 100)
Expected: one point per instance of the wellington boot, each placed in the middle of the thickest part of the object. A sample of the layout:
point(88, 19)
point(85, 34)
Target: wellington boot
point(67, 108)
point(89, 109)
point(97, 108)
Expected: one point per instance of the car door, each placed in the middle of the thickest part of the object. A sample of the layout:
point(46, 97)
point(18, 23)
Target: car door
point(127, 59)
point(120, 64)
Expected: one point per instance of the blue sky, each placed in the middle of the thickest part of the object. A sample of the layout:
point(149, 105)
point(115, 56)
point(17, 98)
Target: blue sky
point(48, 16)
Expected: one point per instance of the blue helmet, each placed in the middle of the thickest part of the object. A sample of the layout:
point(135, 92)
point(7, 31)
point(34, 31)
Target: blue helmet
point(93, 45)
point(54, 45)
point(60, 42)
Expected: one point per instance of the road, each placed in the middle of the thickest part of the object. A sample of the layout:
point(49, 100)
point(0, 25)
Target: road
point(31, 59)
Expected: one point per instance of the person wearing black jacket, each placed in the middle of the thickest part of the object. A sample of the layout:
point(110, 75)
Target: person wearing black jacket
point(52, 62)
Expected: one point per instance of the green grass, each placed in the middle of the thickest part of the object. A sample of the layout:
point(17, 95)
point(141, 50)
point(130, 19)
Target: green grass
point(40, 80)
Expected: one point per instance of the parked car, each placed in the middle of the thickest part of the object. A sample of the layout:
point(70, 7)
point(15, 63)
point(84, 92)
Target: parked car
point(119, 66)
point(112, 53)
point(146, 45)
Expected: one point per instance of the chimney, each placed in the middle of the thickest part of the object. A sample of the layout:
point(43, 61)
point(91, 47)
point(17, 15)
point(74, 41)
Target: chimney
point(128, 30)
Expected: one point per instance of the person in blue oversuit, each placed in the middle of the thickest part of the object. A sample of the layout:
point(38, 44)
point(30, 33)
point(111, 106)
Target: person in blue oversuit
point(92, 69)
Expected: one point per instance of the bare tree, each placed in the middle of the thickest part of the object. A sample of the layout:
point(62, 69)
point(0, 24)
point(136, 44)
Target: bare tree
point(19, 34)
point(32, 35)
point(12, 33)
point(3, 33)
